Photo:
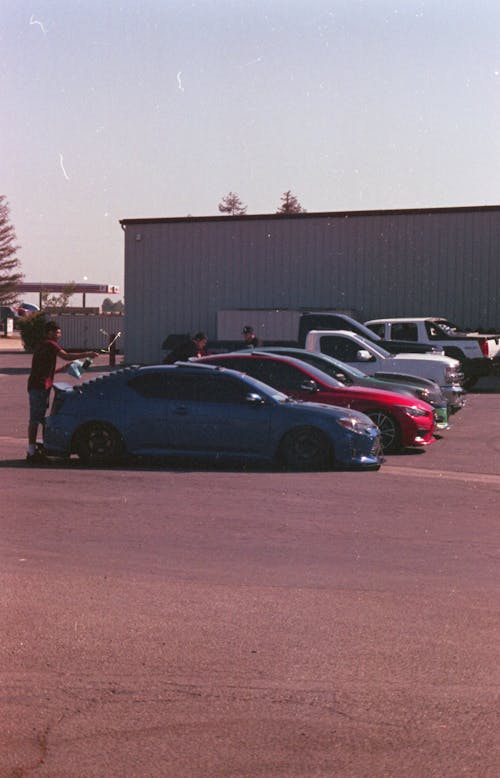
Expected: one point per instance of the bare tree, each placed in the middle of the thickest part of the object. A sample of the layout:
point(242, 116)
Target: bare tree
point(232, 205)
point(10, 276)
point(290, 204)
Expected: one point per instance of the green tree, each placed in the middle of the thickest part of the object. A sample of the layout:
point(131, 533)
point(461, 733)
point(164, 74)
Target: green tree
point(232, 205)
point(10, 275)
point(59, 301)
point(32, 329)
point(108, 306)
point(290, 204)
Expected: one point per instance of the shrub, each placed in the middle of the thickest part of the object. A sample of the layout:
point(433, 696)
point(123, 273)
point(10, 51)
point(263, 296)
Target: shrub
point(32, 329)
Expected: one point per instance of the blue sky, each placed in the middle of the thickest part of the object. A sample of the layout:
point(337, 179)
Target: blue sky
point(121, 109)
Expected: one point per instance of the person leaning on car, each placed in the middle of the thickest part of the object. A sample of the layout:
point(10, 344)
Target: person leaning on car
point(41, 378)
point(194, 347)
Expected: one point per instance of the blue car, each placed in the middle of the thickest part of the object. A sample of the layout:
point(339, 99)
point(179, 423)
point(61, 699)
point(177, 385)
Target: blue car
point(203, 411)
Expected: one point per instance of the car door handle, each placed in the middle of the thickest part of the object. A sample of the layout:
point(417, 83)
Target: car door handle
point(180, 410)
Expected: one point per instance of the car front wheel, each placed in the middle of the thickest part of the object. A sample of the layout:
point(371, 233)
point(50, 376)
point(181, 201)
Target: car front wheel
point(390, 436)
point(98, 444)
point(306, 448)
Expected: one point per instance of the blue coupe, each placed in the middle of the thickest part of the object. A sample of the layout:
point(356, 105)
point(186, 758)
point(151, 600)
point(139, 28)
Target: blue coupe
point(203, 411)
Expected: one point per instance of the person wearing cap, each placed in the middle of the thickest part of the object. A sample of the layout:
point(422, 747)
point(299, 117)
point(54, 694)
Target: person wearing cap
point(249, 336)
point(194, 347)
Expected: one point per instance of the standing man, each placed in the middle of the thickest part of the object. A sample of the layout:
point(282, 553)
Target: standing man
point(43, 368)
point(250, 338)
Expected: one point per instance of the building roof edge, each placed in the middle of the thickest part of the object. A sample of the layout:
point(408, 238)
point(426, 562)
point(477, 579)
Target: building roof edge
point(312, 214)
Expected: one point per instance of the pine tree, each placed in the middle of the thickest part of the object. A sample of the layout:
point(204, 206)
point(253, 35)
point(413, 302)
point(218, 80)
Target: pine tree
point(232, 205)
point(290, 204)
point(10, 276)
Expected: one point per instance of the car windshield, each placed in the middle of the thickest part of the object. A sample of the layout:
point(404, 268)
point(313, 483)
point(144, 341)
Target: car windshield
point(308, 372)
point(333, 366)
point(374, 347)
point(322, 362)
point(315, 373)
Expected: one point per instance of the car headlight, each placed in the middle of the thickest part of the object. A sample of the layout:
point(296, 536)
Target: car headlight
point(356, 425)
point(410, 410)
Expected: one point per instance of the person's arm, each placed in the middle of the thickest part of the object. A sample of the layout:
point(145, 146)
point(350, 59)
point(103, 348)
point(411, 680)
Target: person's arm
point(76, 355)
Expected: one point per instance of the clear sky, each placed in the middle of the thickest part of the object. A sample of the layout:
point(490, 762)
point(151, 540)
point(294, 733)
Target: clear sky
point(117, 109)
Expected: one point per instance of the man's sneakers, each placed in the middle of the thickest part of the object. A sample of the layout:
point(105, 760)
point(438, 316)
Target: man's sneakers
point(38, 458)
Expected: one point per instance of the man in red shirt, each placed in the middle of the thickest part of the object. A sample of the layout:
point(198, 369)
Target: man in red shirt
point(43, 368)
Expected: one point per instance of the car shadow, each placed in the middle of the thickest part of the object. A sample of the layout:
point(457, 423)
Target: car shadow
point(141, 464)
point(160, 464)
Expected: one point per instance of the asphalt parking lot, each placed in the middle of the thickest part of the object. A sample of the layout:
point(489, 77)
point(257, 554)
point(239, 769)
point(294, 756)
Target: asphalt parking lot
point(223, 622)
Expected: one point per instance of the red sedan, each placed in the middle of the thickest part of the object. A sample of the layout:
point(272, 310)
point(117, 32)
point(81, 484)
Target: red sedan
point(403, 421)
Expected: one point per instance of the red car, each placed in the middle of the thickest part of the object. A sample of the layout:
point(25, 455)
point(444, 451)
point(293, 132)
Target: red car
point(403, 421)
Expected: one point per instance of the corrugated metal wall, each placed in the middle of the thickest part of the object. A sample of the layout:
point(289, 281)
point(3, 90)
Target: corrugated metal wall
point(84, 331)
point(180, 272)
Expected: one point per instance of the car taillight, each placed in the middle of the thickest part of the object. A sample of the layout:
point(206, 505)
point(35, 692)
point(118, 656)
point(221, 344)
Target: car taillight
point(483, 343)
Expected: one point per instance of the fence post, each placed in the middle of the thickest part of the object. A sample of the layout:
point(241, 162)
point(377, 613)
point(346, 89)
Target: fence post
point(112, 350)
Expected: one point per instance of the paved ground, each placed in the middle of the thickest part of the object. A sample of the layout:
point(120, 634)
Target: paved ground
point(210, 622)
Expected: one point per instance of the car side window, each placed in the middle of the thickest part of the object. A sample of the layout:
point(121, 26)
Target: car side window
point(149, 385)
point(193, 387)
point(339, 347)
point(231, 363)
point(165, 386)
point(431, 330)
point(279, 374)
point(249, 365)
point(378, 329)
point(221, 389)
point(404, 331)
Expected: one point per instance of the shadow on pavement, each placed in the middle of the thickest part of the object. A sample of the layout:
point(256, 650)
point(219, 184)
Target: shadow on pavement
point(141, 465)
point(15, 370)
point(151, 464)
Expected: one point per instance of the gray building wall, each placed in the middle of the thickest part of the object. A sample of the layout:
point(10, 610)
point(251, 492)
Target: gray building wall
point(180, 272)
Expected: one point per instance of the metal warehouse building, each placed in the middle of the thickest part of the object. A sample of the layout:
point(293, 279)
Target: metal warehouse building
point(180, 272)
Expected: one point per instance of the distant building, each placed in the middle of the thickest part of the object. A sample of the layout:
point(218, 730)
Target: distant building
point(179, 272)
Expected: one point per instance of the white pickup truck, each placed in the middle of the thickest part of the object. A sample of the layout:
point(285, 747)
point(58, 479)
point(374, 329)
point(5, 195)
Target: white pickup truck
point(478, 354)
point(371, 358)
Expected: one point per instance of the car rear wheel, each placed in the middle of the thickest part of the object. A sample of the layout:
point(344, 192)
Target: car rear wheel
point(390, 435)
point(306, 448)
point(98, 444)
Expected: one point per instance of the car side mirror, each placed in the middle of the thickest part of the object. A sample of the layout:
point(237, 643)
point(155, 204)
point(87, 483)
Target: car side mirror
point(252, 398)
point(309, 386)
point(363, 355)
